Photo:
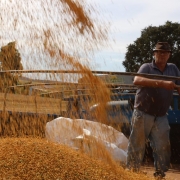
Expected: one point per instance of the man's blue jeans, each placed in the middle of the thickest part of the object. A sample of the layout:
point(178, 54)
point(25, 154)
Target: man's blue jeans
point(156, 129)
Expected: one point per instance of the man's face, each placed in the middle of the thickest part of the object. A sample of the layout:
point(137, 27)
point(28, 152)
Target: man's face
point(161, 57)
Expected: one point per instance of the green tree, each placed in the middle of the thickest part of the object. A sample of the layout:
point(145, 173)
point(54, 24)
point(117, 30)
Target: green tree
point(10, 59)
point(141, 51)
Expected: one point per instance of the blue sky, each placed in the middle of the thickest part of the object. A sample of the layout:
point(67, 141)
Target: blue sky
point(128, 18)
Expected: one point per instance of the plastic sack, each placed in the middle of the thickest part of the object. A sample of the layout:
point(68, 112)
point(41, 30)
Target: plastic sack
point(88, 136)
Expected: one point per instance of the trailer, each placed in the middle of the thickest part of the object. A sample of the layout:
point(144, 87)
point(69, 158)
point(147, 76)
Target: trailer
point(76, 103)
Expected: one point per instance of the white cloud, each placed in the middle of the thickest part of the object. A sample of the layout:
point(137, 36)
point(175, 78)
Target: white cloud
point(127, 17)
point(130, 17)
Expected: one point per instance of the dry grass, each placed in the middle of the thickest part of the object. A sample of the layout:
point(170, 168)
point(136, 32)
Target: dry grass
point(35, 158)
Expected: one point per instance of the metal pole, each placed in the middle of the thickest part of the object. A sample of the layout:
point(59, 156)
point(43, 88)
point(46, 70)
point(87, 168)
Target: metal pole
point(152, 76)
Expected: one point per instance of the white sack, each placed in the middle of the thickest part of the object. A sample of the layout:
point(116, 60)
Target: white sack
point(74, 132)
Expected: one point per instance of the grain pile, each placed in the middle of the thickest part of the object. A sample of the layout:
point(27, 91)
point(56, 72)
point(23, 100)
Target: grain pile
point(35, 158)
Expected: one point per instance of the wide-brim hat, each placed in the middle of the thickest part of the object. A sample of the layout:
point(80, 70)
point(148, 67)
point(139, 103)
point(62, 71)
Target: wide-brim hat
point(162, 46)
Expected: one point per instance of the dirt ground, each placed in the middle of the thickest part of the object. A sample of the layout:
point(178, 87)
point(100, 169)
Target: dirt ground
point(172, 174)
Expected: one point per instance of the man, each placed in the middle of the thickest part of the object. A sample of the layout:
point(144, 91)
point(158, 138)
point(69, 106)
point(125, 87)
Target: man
point(149, 120)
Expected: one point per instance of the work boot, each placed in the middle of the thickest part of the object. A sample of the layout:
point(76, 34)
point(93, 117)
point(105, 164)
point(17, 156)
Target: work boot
point(159, 175)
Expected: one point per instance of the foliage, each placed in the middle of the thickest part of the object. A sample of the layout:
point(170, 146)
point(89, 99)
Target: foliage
point(10, 60)
point(141, 51)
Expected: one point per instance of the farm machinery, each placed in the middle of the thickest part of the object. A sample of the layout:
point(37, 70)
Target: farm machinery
point(20, 112)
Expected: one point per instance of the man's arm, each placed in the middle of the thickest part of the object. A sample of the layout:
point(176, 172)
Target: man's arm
point(142, 81)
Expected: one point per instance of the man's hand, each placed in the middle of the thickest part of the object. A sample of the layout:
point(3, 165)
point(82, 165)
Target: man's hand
point(168, 85)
